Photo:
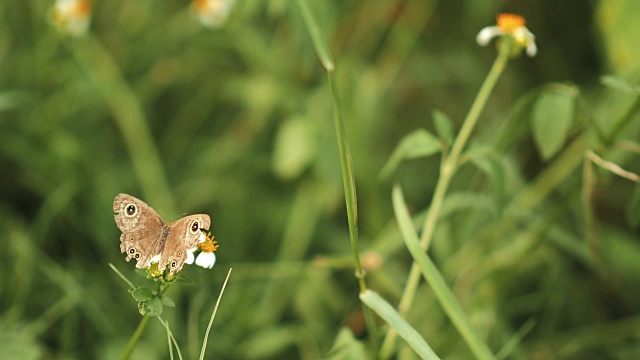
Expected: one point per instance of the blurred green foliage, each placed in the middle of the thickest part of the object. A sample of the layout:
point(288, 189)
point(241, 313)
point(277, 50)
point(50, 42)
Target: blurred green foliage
point(237, 122)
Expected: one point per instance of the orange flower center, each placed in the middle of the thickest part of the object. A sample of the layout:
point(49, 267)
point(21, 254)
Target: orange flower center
point(201, 5)
point(82, 8)
point(510, 22)
point(209, 245)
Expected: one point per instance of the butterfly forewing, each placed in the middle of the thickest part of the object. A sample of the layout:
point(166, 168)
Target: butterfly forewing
point(142, 229)
point(144, 217)
point(184, 234)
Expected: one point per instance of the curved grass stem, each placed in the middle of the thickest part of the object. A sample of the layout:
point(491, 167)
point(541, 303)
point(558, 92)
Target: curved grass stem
point(135, 338)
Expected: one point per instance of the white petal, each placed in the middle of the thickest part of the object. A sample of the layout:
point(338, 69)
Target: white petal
point(486, 34)
point(532, 49)
point(65, 6)
point(526, 38)
point(156, 258)
point(206, 259)
point(190, 257)
point(201, 238)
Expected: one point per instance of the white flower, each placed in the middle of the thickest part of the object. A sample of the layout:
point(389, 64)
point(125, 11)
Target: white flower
point(510, 25)
point(206, 260)
point(71, 16)
point(155, 258)
point(212, 13)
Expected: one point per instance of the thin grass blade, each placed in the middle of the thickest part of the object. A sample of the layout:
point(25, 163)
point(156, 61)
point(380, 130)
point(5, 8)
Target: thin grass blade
point(444, 295)
point(404, 329)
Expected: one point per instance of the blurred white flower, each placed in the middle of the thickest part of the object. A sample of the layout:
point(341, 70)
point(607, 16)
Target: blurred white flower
point(206, 259)
point(212, 13)
point(71, 16)
point(510, 25)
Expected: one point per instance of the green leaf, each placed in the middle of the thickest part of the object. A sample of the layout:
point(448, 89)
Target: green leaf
point(443, 125)
point(391, 316)
point(419, 143)
point(318, 39)
point(552, 118)
point(142, 294)
point(484, 158)
point(347, 347)
point(167, 301)
point(152, 307)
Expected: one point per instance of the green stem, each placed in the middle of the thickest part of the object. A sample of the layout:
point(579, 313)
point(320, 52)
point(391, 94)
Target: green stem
point(349, 183)
point(447, 170)
point(628, 117)
point(134, 339)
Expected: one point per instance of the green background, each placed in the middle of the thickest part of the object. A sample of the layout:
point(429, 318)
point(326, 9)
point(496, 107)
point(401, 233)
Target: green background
point(237, 122)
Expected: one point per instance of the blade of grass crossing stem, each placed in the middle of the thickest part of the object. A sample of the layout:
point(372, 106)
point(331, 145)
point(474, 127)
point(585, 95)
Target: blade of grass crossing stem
point(406, 331)
point(318, 40)
point(444, 295)
point(213, 315)
point(171, 339)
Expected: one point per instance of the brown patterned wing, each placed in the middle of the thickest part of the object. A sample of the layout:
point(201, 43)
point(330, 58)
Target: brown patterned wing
point(184, 234)
point(143, 235)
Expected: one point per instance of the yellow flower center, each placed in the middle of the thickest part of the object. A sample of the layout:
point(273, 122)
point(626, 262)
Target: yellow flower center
point(82, 8)
point(209, 245)
point(510, 22)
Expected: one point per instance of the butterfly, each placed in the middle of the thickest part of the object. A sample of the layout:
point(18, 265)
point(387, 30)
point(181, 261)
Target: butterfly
point(146, 238)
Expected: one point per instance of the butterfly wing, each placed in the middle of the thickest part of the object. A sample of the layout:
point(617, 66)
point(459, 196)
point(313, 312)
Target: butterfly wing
point(143, 231)
point(184, 234)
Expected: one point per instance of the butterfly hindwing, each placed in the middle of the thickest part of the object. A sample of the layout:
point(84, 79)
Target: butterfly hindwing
point(184, 234)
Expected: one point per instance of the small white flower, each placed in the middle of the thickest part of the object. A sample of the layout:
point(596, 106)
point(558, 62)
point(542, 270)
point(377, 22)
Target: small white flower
point(155, 258)
point(206, 259)
point(71, 16)
point(212, 13)
point(510, 25)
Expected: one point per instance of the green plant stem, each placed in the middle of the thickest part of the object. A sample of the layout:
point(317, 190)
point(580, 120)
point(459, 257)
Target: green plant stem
point(447, 170)
point(134, 339)
point(346, 165)
point(162, 288)
point(349, 183)
point(351, 200)
point(627, 118)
